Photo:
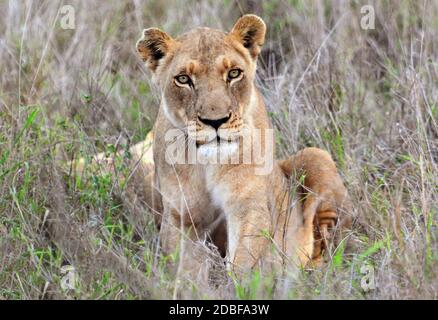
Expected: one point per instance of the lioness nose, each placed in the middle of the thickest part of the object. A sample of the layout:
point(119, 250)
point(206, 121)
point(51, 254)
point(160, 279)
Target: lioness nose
point(214, 123)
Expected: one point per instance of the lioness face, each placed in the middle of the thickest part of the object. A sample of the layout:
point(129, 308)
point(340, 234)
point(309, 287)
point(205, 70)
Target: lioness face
point(206, 77)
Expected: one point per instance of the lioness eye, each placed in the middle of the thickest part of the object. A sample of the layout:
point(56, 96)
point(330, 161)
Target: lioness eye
point(183, 79)
point(234, 73)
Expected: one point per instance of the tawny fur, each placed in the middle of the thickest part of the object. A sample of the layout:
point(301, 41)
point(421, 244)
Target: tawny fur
point(253, 219)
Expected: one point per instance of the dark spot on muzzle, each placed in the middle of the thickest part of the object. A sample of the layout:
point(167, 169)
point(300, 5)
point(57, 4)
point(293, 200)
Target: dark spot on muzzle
point(214, 123)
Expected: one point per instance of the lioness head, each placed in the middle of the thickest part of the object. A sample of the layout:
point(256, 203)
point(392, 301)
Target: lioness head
point(206, 76)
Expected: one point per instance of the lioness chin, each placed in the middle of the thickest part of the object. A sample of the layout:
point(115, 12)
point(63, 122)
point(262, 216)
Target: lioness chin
point(211, 108)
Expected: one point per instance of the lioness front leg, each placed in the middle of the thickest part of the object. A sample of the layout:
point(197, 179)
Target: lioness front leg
point(185, 215)
point(325, 193)
point(244, 201)
point(180, 234)
point(247, 241)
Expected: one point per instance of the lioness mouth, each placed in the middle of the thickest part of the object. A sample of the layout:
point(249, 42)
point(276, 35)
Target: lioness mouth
point(217, 142)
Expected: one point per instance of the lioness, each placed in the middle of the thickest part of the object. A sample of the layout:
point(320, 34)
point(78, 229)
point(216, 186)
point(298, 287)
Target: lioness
point(209, 99)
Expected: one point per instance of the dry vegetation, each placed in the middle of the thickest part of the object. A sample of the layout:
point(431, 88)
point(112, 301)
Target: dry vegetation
point(368, 96)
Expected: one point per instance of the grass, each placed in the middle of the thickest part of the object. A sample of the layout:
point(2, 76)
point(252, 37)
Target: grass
point(368, 96)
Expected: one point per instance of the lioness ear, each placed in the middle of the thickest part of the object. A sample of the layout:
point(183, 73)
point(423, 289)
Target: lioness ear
point(250, 30)
point(153, 46)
